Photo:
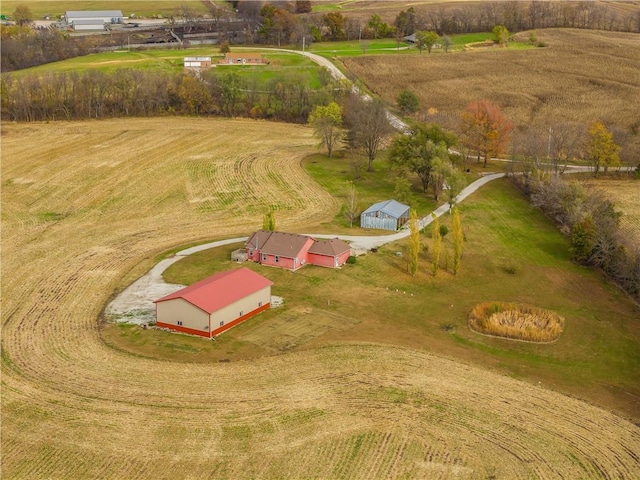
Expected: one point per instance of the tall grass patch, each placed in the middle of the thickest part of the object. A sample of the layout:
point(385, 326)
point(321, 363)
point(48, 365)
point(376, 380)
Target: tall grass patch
point(519, 322)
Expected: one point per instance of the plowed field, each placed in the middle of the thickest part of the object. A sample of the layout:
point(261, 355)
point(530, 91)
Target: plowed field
point(87, 207)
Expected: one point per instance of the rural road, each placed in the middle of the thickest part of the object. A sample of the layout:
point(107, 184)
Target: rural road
point(394, 120)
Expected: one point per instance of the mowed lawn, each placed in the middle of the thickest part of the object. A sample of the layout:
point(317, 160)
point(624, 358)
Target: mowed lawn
point(512, 253)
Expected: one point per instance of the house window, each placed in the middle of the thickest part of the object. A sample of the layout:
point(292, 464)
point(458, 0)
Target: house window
point(241, 313)
point(264, 257)
point(222, 323)
point(179, 322)
point(259, 304)
point(277, 259)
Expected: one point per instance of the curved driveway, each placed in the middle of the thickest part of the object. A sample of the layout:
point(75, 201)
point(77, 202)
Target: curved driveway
point(135, 303)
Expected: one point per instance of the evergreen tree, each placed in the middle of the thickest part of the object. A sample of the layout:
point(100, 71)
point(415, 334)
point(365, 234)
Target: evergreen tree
point(269, 221)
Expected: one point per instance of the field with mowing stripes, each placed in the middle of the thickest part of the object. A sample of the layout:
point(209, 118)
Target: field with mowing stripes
point(89, 206)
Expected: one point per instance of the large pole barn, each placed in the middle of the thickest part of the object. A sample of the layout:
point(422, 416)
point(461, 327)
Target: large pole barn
point(215, 304)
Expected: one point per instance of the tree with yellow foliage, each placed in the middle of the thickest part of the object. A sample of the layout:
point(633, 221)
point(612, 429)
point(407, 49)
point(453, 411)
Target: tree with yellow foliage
point(602, 151)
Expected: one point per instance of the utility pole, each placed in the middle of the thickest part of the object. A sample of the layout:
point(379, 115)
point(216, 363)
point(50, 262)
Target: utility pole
point(303, 45)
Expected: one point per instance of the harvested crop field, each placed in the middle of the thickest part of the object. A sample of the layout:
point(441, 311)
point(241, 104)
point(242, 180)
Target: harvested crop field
point(580, 76)
point(86, 209)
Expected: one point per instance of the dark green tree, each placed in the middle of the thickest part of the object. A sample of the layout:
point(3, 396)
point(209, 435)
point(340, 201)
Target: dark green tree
point(408, 101)
point(418, 150)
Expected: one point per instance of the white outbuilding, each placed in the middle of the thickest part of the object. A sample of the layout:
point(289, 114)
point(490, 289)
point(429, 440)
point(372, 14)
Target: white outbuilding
point(215, 304)
point(92, 19)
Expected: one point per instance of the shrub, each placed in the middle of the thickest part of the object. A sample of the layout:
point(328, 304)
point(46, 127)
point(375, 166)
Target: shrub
point(351, 260)
point(408, 101)
point(443, 230)
point(510, 269)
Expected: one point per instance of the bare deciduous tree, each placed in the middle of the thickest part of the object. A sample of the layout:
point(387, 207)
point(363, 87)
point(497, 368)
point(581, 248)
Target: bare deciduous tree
point(368, 125)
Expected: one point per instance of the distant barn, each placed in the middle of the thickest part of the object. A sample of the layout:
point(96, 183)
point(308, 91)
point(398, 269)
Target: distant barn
point(215, 304)
point(92, 19)
point(243, 59)
point(386, 215)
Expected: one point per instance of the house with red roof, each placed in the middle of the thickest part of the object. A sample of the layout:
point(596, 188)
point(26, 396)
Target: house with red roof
point(293, 251)
point(215, 304)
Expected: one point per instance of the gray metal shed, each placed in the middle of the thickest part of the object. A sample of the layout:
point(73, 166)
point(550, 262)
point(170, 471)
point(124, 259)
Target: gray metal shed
point(105, 16)
point(386, 215)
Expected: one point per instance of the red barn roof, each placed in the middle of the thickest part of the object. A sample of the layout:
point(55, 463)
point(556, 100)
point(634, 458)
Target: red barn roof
point(221, 289)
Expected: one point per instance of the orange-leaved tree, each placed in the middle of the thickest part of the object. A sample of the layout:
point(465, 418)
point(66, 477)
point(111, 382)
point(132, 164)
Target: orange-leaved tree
point(485, 130)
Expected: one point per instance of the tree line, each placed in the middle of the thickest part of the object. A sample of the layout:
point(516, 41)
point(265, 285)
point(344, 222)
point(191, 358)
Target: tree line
point(288, 22)
point(292, 22)
point(591, 222)
point(128, 92)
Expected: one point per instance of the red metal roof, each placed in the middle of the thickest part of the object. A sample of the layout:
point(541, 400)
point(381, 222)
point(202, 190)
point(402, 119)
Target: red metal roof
point(221, 289)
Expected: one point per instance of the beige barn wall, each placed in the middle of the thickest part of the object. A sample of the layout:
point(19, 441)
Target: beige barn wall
point(171, 311)
point(244, 305)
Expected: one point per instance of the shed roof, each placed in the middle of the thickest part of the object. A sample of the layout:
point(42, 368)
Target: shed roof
point(221, 289)
point(93, 13)
point(332, 248)
point(390, 207)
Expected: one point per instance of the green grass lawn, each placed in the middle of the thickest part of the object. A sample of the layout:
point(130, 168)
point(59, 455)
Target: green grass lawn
point(512, 253)
point(334, 173)
point(172, 61)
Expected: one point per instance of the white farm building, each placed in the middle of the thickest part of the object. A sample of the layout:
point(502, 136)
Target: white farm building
point(92, 19)
point(215, 304)
point(197, 62)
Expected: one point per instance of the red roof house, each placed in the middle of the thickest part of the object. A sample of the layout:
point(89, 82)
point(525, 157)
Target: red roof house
point(215, 304)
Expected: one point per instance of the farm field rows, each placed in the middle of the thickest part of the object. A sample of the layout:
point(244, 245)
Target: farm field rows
point(581, 76)
point(88, 207)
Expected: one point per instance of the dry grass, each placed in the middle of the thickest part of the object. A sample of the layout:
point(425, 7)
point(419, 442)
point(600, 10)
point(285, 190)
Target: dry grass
point(579, 77)
point(516, 321)
point(86, 205)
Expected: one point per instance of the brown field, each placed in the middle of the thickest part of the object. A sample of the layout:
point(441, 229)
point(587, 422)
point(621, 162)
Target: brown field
point(87, 207)
point(581, 76)
point(626, 195)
